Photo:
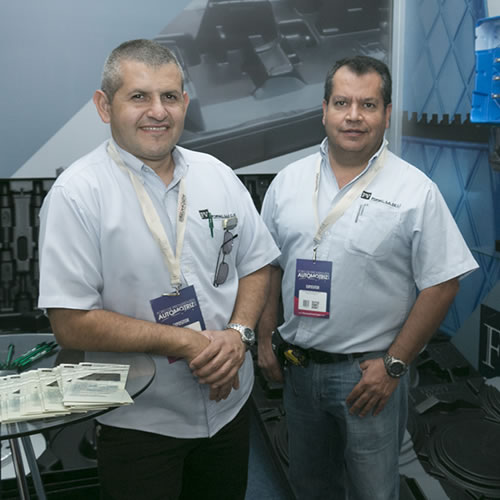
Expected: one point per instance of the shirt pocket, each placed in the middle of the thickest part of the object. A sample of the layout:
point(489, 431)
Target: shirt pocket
point(373, 231)
point(211, 245)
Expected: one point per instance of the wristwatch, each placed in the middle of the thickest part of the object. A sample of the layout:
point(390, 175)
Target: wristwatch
point(394, 366)
point(246, 333)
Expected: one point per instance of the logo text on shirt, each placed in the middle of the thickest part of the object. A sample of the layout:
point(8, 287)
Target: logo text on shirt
point(365, 195)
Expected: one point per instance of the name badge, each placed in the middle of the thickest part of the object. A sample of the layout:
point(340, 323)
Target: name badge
point(181, 310)
point(313, 280)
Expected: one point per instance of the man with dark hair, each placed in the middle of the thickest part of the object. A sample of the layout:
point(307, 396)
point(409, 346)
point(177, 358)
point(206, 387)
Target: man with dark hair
point(149, 247)
point(360, 65)
point(371, 260)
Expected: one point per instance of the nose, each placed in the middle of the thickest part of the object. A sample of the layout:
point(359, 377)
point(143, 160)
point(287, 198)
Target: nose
point(354, 113)
point(157, 110)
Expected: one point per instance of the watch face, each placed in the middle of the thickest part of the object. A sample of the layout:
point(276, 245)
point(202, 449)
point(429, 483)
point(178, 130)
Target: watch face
point(248, 334)
point(397, 368)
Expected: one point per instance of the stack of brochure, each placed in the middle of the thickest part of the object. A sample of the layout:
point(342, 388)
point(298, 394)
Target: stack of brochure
point(67, 388)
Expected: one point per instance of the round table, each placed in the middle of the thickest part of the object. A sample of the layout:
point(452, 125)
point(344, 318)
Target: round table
point(140, 376)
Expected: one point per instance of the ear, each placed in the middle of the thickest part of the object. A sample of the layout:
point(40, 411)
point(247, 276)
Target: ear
point(325, 105)
point(388, 111)
point(186, 99)
point(102, 105)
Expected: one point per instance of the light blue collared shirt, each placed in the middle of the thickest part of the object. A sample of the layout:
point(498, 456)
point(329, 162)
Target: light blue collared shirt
point(397, 237)
point(96, 252)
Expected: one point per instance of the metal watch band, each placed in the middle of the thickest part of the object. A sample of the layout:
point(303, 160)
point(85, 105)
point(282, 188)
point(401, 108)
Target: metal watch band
point(246, 333)
point(395, 367)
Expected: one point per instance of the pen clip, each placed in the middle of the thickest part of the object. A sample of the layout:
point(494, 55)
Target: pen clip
point(211, 224)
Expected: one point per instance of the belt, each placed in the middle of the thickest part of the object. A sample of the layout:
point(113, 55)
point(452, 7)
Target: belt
point(322, 357)
point(298, 356)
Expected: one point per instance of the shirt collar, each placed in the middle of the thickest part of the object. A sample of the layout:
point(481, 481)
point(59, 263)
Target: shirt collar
point(138, 166)
point(129, 159)
point(323, 149)
point(181, 165)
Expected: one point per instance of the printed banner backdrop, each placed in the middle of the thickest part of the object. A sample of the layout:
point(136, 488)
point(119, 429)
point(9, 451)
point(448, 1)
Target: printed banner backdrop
point(51, 58)
point(254, 72)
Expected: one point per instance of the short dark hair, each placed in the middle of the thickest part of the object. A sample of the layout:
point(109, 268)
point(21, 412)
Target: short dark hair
point(145, 51)
point(362, 65)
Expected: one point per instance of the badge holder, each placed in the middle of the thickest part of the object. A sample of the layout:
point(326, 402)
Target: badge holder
point(313, 280)
point(181, 309)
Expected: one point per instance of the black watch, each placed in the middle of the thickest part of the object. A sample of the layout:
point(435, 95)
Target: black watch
point(395, 367)
point(246, 333)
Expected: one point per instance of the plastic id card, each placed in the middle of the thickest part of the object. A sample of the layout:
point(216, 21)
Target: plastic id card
point(181, 310)
point(313, 280)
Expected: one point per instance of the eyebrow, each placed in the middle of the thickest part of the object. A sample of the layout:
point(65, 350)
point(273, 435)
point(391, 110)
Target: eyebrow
point(364, 99)
point(142, 91)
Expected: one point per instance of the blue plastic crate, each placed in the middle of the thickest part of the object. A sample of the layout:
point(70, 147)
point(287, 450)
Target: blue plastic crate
point(486, 95)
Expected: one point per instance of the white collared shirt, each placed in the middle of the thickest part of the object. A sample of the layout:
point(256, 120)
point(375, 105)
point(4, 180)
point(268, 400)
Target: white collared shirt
point(96, 252)
point(397, 237)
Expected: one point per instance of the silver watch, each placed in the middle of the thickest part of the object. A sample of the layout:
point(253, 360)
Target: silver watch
point(246, 333)
point(395, 367)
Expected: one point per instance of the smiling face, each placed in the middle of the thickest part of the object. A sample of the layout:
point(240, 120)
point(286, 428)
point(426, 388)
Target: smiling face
point(355, 119)
point(147, 112)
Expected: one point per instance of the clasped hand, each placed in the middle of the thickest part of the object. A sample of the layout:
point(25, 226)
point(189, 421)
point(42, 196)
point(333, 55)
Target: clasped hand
point(218, 364)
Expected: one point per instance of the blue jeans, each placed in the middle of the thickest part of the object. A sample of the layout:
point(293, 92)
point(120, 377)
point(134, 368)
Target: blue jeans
point(335, 455)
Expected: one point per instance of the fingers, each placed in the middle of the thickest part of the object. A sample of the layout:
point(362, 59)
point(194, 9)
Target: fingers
point(269, 364)
point(379, 407)
point(205, 356)
point(368, 403)
point(218, 374)
point(219, 362)
point(359, 400)
point(222, 392)
point(198, 343)
point(236, 382)
point(221, 367)
point(373, 391)
point(271, 370)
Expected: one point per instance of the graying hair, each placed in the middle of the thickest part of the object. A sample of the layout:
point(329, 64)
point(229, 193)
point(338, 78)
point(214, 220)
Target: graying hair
point(145, 51)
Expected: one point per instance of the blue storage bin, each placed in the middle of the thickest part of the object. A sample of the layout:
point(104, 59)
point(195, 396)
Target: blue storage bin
point(486, 95)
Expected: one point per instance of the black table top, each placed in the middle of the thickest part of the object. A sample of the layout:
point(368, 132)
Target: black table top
point(140, 376)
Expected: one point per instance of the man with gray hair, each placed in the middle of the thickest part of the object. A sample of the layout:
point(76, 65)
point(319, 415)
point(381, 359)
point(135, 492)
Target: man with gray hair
point(163, 252)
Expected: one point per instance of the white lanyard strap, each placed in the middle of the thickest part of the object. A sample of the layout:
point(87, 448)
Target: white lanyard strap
point(172, 261)
point(346, 201)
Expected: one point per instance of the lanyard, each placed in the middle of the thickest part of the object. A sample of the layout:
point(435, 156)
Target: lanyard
point(346, 201)
point(172, 261)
